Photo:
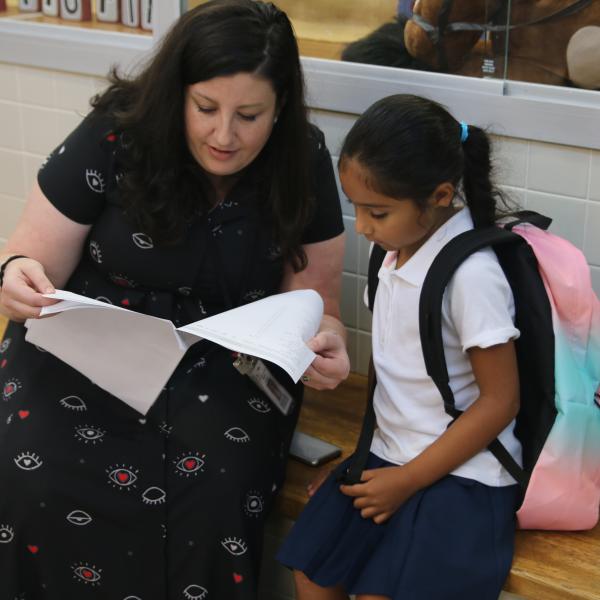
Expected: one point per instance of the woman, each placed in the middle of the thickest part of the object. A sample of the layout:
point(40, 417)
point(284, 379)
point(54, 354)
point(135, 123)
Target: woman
point(193, 188)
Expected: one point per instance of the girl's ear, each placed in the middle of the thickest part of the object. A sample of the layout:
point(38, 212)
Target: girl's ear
point(443, 195)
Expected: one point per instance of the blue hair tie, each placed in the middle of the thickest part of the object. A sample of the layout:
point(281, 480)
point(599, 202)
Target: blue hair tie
point(464, 132)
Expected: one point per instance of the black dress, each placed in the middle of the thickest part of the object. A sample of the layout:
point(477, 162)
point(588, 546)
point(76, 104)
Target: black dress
point(99, 502)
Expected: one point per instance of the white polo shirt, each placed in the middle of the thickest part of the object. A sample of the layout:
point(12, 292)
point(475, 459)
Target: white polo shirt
point(477, 310)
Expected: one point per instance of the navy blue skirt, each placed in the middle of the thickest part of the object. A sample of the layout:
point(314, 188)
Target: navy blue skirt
point(452, 540)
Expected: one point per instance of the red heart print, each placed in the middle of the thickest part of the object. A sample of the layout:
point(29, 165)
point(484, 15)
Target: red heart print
point(3, 363)
point(125, 302)
point(238, 578)
point(111, 137)
point(122, 477)
point(190, 463)
point(87, 574)
point(33, 549)
point(23, 414)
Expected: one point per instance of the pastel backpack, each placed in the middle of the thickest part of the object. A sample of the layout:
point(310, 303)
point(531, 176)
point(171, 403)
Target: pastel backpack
point(558, 353)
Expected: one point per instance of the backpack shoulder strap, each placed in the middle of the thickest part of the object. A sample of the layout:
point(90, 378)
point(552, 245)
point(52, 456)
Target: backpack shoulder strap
point(375, 261)
point(430, 319)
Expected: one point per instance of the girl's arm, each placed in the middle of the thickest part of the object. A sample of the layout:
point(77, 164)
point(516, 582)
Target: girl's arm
point(496, 373)
point(324, 274)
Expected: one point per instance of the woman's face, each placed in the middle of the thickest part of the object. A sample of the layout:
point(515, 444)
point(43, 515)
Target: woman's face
point(228, 120)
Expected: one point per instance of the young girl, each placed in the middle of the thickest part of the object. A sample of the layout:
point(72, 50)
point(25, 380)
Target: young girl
point(433, 517)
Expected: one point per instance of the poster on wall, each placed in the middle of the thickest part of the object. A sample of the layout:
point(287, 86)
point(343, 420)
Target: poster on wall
point(29, 5)
point(76, 10)
point(108, 11)
point(50, 8)
point(130, 13)
point(147, 15)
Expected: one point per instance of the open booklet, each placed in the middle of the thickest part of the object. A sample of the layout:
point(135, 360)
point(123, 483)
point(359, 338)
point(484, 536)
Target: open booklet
point(132, 355)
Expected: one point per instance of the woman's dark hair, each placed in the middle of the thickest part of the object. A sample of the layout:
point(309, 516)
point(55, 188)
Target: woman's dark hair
point(162, 188)
point(409, 145)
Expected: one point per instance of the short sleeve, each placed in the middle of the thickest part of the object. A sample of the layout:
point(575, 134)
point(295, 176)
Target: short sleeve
point(74, 175)
point(327, 220)
point(480, 303)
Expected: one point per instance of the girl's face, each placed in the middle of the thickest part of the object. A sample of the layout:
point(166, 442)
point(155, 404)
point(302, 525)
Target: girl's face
point(394, 224)
point(228, 120)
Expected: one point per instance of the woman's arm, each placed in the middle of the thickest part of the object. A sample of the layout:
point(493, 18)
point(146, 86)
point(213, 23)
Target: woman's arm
point(324, 274)
point(496, 373)
point(52, 244)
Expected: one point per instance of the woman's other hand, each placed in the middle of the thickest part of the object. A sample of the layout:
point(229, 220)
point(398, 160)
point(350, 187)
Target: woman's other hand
point(21, 294)
point(332, 364)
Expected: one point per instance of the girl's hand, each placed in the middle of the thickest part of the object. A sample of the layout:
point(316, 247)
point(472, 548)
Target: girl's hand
point(381, 493)
point(21, 295)
point(331, 366)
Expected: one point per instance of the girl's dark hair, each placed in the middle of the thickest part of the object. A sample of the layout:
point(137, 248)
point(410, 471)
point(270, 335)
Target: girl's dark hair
point(163, 185)
point(409, 145)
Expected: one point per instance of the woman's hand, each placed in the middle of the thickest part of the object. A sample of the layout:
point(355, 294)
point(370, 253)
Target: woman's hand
point(332, 364)
point(24, 283)
point(381, 492)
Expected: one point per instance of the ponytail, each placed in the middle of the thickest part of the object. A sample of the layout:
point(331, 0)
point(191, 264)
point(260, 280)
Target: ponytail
point(479, 193)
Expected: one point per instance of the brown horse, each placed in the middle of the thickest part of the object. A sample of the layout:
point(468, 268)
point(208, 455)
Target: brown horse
point(456, 35)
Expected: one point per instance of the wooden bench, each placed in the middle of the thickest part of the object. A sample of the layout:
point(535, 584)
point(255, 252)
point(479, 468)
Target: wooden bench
point(546, 565)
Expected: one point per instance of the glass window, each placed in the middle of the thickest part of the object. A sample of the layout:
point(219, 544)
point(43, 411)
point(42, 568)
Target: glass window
point(553, 42)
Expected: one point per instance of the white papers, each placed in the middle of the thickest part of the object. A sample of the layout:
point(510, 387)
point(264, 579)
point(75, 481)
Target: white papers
point(132, 355)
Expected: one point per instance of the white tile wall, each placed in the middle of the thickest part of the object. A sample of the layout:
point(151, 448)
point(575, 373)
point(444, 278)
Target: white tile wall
point(38, 108)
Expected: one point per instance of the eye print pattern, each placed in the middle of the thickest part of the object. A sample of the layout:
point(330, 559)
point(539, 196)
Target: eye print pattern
point(259, 405)
point(89, 435)
point(237, 434)
point(94, 180)
point(143, 241)
point(122, 280)
point(6, 534)
point(10, 387)
point(122, 478)
point(88, 574)
point(154, 495)
point(235, 546)
point(189, 464)
point(197, 365)
point(195, 592)
point(253, 295)
point(104, 299)
point(73, 403)
point(28, 461)
point(254, 504)
point(79, 518)
point(4, 345)
point(95, 252)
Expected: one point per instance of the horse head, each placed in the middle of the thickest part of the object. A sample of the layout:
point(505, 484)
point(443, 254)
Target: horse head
point(442, 32)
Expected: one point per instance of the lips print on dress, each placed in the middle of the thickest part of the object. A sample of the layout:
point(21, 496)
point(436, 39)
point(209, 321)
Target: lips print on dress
point(187, 465)
point(195, 592)
point(10, 388)
point(86, 573)
point(122, 477)
point(7, 534)
point(79, 518)
point(143, 241)
point(28, 461)
point(95, 180)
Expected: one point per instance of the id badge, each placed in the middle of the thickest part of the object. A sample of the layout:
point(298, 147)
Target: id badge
point(260, 375)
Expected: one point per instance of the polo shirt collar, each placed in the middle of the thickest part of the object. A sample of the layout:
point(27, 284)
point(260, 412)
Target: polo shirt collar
point(415, 269)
